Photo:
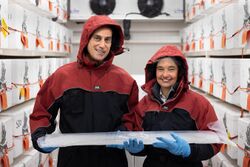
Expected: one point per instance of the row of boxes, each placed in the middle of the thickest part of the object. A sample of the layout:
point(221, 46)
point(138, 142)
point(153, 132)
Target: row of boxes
point(16, 140)
point(21, 78)
point(30, 31)
point(227, 28)
point(227, 79)
point(196, 9)
point(237, 125)
point(52, 8)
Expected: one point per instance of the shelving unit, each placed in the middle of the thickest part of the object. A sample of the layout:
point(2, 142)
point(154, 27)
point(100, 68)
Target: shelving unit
point(227, 52)
point(219, 67)
point(34, 47)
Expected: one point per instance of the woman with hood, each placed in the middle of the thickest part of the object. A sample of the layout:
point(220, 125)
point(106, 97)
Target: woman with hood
point(171, 106)
point(92, 94)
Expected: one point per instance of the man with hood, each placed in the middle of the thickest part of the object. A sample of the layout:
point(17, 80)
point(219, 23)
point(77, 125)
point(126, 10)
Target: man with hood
point(171, 106)
point(92, 94)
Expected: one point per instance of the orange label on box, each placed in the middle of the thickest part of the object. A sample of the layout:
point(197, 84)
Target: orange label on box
point(211, 42)
point(246, 161)
point(5, 160)
point(201, 44)
point(248, 102)
point(223, 93)
point(223, 40)
point(50, 6)
point(200, 83)
point(193, 11)
point(26, 143)
point(50, 161)
point(211, 88)
point(223, 148)
point(27, 93)
point(39, 42)
point(51, 45)
point(3, 100)
point(24, 40)
point(193, 45)
point(58, 45)
point(244, 38)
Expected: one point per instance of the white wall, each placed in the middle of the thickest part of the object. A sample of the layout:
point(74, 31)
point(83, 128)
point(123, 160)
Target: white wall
point(146, 38)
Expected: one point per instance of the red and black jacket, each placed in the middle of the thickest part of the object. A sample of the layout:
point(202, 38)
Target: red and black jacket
point(184, 110)
point(90, 99)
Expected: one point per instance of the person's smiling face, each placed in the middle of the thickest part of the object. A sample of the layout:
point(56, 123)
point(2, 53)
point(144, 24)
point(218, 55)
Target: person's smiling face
point(166, 74)
point(99, 44)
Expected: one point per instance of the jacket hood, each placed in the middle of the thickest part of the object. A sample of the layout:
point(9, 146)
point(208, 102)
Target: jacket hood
point(165, 51)
point(92, 24)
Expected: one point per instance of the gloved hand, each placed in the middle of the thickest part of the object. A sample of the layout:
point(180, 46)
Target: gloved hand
point(178, 146)
point(44, 149)
point(132, 146)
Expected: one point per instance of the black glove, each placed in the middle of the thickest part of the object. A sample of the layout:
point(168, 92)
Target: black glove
point(38, 136)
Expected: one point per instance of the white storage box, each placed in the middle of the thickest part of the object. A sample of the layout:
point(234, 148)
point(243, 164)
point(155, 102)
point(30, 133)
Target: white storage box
point(22, 161)
point(199, 71)
point(243, 139)
point(208, 76)
point(245, 84)
point(5, 84)
point(227, 18)
point(6, 126)
point(217, 160)
point(192, 70)
point(21, 20)
point(26, 72)
point(4, 17)
point(230, 119)
point(34, 154)
point(52, 65)
point(244, 133)
point(21, 131)
point(227, 73)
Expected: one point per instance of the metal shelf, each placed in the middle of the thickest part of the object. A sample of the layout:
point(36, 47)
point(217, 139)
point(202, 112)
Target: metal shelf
point(225, 52)
point(32, 7)
point(210, 10)
point(30, 53)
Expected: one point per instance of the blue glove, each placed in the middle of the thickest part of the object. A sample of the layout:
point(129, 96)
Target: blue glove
point(131, 146)
point(178, 146)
